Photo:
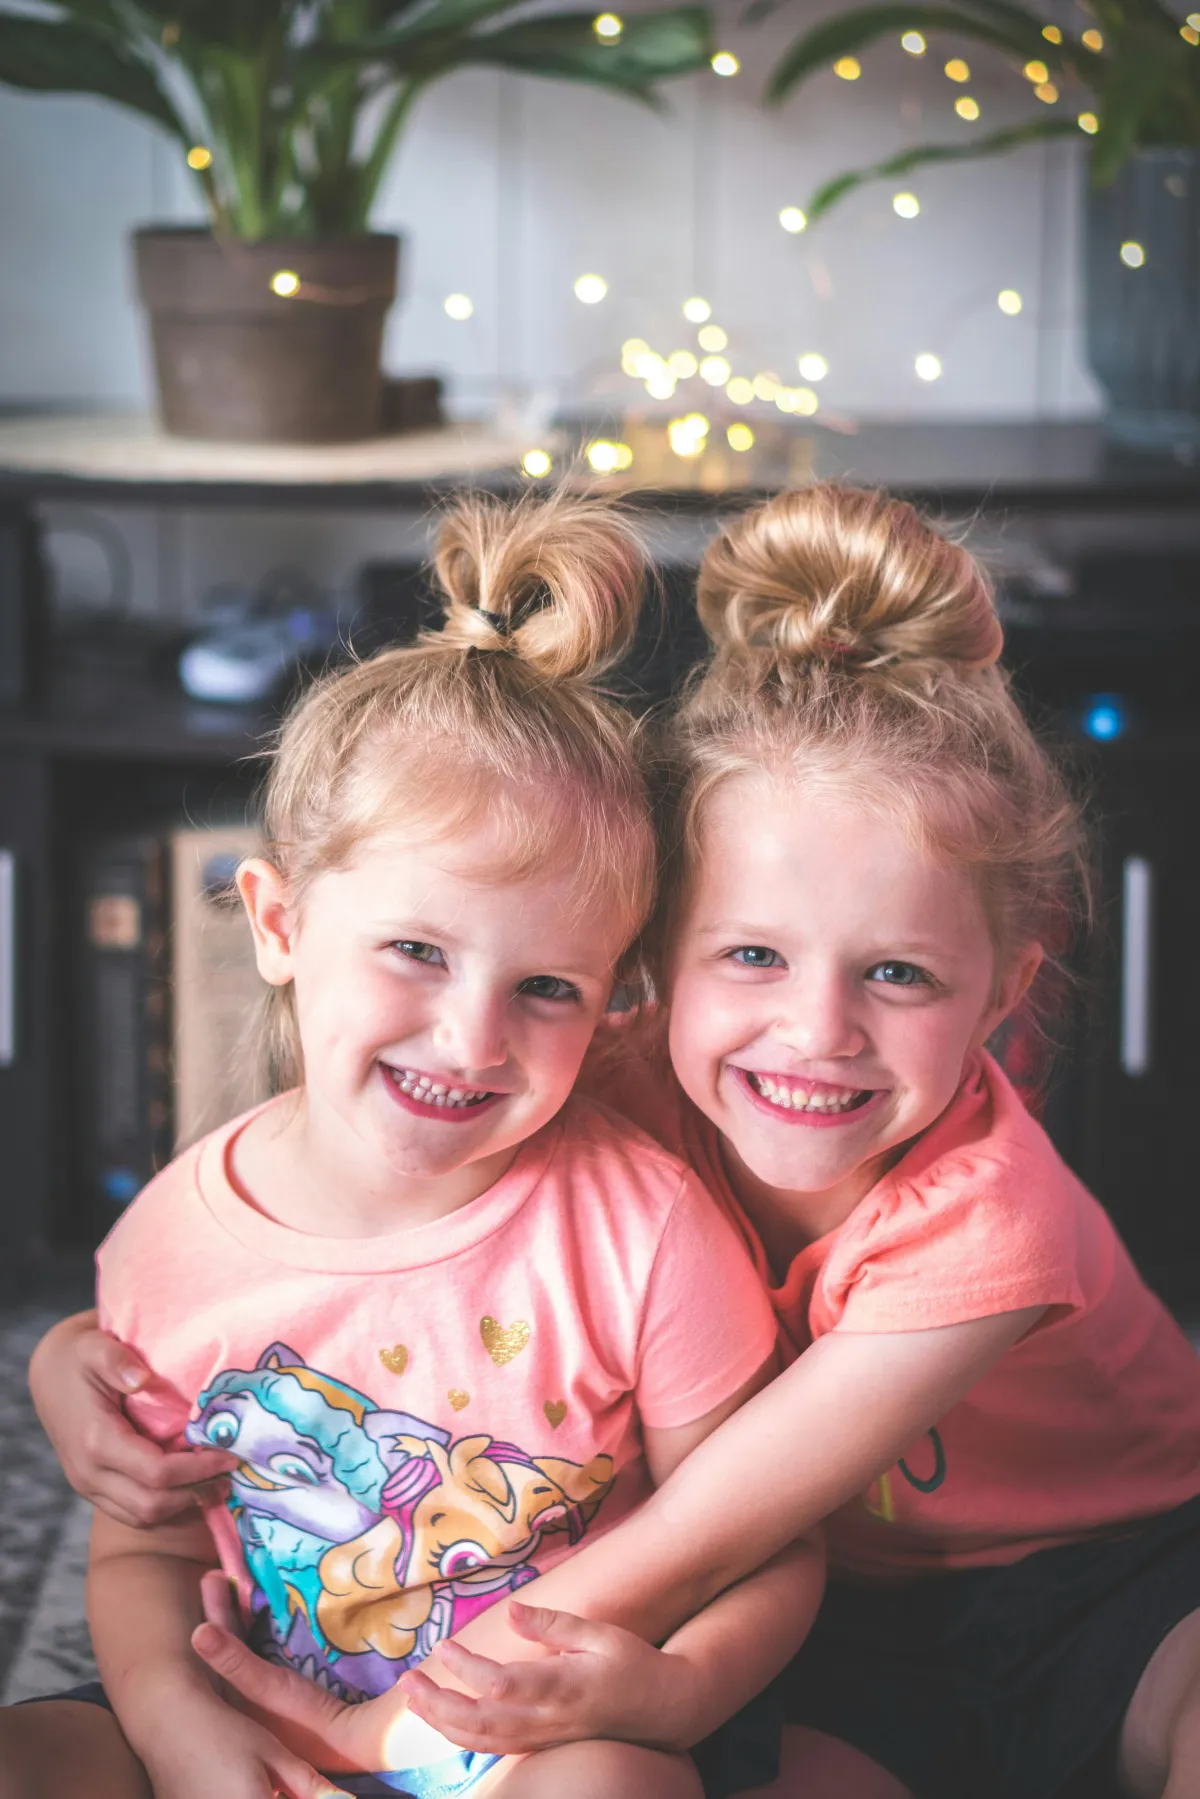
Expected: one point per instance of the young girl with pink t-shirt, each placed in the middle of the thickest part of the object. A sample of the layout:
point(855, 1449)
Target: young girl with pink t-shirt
point(869, 861)
point(447, 1320)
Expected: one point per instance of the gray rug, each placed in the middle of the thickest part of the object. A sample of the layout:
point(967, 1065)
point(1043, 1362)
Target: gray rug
point(43, 1534)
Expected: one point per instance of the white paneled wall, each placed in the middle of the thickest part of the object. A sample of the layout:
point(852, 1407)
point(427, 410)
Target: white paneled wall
point(507, 189)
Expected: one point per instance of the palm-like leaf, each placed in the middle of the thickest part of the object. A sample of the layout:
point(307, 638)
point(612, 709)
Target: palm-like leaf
point(842, 36)
point(1036, 131)
point(77, 59)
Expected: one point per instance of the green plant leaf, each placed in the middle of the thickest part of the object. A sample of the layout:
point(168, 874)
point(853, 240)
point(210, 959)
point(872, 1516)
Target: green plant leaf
point(432, 17)
point(73, 58)
point(848, 32)
point(652, 48)
point(1037, 130)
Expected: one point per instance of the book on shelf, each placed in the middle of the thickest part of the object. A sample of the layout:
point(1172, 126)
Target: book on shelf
point(125, 1042)
point(216, 988)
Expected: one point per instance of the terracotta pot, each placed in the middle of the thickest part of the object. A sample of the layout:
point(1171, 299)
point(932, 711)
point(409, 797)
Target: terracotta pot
point(240, 360)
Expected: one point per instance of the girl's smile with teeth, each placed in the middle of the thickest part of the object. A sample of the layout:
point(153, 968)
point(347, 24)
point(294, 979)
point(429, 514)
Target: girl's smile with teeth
point(431, 1094)
point(790, 1093)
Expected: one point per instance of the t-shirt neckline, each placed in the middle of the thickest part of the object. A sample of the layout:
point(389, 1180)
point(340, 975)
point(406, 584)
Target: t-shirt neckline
point(417, 1247)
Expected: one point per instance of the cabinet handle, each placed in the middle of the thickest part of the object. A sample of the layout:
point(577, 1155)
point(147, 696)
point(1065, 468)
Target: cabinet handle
point(8, 958)
point(1137, 957)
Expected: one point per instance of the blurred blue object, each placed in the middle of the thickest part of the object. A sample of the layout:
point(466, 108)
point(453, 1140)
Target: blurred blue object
point(1105, 717)
point(254, 643)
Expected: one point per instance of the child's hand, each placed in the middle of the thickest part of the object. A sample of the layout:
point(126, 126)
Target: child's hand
point(312, 1721)
point(596, 1681)
point(79, 1377)
point(206, 1747)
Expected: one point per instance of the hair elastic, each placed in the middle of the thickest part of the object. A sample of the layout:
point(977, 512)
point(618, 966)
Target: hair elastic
point(498, 621)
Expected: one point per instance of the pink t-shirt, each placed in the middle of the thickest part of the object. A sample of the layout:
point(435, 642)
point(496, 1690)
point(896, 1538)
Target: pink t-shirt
point(1089, 1423)
point(429, 1419)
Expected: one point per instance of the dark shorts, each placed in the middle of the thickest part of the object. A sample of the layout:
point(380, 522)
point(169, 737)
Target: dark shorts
point(1007, 1683)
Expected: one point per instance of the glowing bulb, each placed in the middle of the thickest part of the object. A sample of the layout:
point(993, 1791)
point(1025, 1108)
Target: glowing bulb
point(1132, 255)
point(958, 70)
point(660, 385)
point(624, 458)
point(1052, 34)
point(1036, 71)
point(725, 63)
point(1009, 301)
point(591, 289)
point(536, 463)
point(766, 385)
point(1193, 20)
point(696, 310)
point(608, 27)
point(739, 437)
point(928, 367)
point(712, 338)
point(682, 364)
point(914, 43)
point(966, 108)
point(1088, 122)
point(632, 352)
point(1189, 34)
point(785, 399)
point(740, 391)
point(458, 306)
point(1093, 40)
point(848, 68)
point(285, 283)
point(715, 370)
point(792, 219)
point(602, 456)
point(688, 436)
point(804, 401)
point(199, 157)
point(906, 206)
point(813, 367)
point(1046, 91)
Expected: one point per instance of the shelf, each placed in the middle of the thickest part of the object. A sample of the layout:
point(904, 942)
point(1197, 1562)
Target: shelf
point(89, 716)
point(127, 459)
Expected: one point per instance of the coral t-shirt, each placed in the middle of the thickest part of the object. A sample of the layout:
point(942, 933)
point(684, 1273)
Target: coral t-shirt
point(1090, 1423)
point(429, 1419)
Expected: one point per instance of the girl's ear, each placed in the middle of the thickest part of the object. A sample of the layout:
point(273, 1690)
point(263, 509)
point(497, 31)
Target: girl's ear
point(272, 920)
point(1014, 984)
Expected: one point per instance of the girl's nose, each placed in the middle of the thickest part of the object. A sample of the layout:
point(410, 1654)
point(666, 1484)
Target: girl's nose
point(820, 1019)
point(470, 1030)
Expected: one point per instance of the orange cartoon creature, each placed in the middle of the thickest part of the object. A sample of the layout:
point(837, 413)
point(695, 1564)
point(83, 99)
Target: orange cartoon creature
point(459, 1527)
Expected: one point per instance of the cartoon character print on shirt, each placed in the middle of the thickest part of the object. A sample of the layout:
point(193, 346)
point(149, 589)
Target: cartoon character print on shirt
point(879, 1500)
point(369, 1535)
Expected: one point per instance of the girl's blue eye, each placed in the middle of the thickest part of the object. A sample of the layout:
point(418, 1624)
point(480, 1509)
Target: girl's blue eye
point(421, 952)
point(548, 986)
point(756, 955)
point(898, 974)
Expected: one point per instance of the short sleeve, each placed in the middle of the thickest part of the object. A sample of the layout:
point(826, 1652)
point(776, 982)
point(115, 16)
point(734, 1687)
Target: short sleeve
point(967, 1240)
point(707, 1323)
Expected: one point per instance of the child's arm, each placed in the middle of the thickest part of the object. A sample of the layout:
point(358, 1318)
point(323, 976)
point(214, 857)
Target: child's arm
point(78, 1377)
point(143, 1604)
point(836, 1419)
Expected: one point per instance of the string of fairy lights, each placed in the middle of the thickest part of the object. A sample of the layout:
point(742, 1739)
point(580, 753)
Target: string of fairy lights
point(662, 375)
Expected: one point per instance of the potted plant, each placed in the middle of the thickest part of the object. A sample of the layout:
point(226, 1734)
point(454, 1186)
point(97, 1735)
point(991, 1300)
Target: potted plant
point(268, 325)
point(1128, 78)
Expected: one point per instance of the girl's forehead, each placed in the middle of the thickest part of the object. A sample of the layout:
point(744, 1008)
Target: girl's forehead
point(822, 857)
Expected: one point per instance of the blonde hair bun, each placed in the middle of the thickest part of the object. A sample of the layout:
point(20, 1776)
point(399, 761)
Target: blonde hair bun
point(840, 574)
point(557, 582)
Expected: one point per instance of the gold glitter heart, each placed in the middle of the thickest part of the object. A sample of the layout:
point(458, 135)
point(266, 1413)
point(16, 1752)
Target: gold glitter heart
point(458, 1399)
point(556, 1411)
point(503, 1341)
point(395, 1359)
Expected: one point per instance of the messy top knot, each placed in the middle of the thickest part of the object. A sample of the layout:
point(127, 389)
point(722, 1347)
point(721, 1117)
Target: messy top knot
point(830, 571)
point(558, 584)
point(856, 653)
point(490, 729)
